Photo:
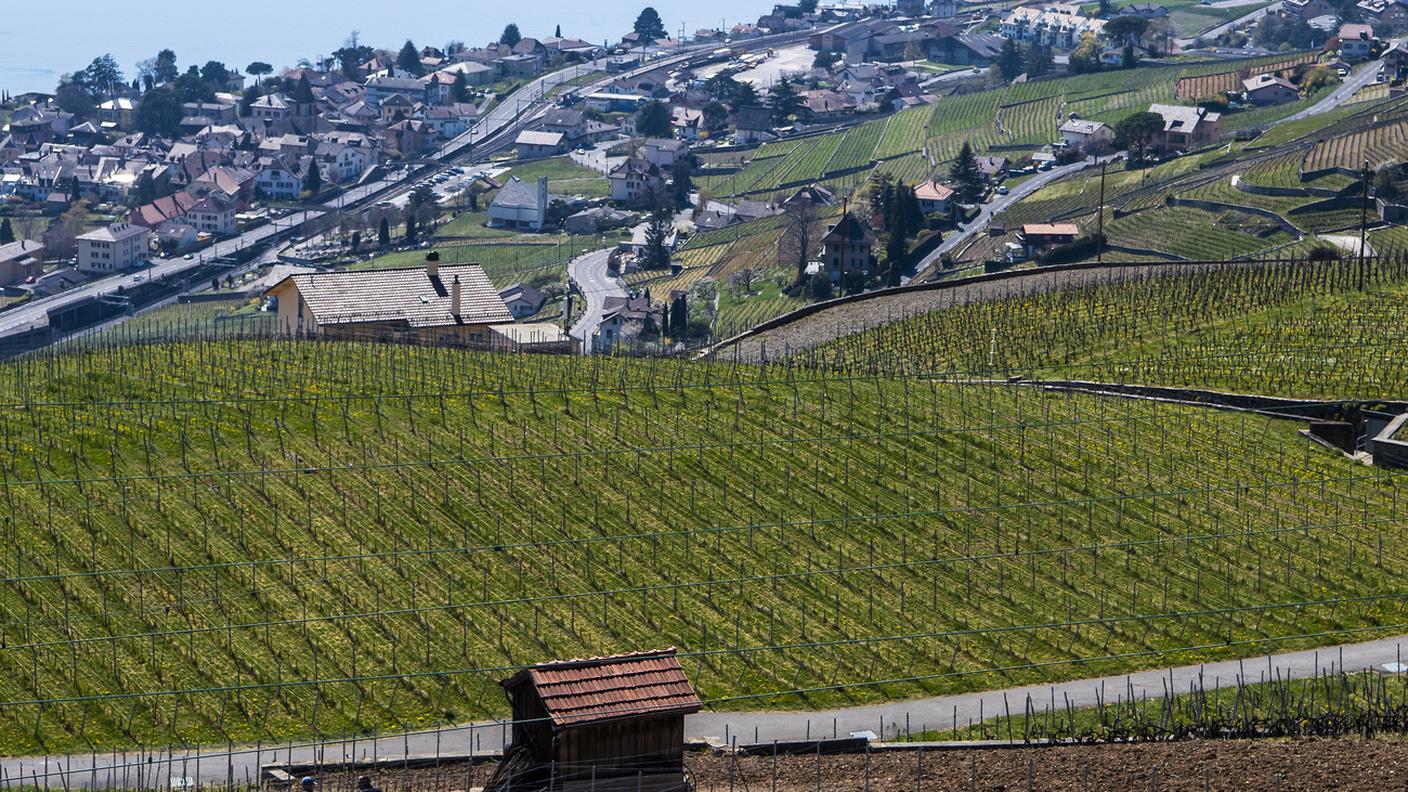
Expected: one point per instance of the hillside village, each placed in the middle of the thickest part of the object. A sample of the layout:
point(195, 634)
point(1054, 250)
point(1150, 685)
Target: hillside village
point(106, 176)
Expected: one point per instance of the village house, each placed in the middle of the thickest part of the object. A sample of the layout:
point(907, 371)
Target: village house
point(635, 181)
point(429, 304)
point(1356, 42)
point(271, 107)
point(520, 204)
point(1305, 10)
point(119, 111)
point(214, 215)
point(449, 121)
point(532, 143)
point(1084, 135)
point(847, 247)
point(380, 89)
point(663, 153)
point(1389, 17)
point(19, 260)
point(570, 124)
point(162, 210)
point(1145, 11)
point(1035, 237)
point(621, 317)
point(519, 65)
point(410, 138)
point(753, 125)
point(522, 300)
point(279, 178)
point(1396, 61)
point(1185, 127)
point(934, 198)
point(1267, 89)
point(113, 248)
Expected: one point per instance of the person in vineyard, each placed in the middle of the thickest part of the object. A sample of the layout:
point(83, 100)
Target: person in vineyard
point(364, 784)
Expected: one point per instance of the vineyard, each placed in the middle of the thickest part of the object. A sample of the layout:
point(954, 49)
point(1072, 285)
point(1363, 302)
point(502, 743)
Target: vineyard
point(1195, 234)
point(237, 540)
point(1299, 329)
point(1204, 85)
point(1378, 145)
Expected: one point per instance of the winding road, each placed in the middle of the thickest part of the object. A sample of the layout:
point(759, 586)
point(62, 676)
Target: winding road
point(219, 765)
point(596, 283)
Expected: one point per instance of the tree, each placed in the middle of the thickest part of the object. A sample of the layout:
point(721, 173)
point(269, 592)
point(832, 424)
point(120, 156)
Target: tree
point(798, 240)
point(247, 100)
point(7, 232)
point(459, 90)
point(807, 6)
point(164, 69)
point(410, 227)
point(824, 60)
point(784, 101)
point(654, 120)
point(314, 181)
point(1037, 60)
point(303, 91)
point(721, 86)
point(383, 233)
point(510, 37)
point(409, 59)
point(1385, 186)
point(1128, 60)
point(1085, 58)
point(189, 87)
point(657, 232)
point(649, 26)
point(103, 77)
point(715, 116)
point(61, 238)
point(159, 112)
point(258, 69)
point(73, 96)
point(967, 178)
point(821, 286)
point(352, 55)
point(1128, 28)
point(215, 73)
point(1009, 60)
point(356, 242)
point(744, 95)
point(1137, 131)
point(144, 192)
point(1277, 32)
point(679, 317)
point(682, 180)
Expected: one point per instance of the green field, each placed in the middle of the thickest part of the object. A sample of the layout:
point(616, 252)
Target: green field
point(565, 177)
point(538, 260)
point(255, 540)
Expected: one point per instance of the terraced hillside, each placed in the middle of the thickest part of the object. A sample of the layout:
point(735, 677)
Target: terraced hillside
point(223, 540)
point(1298, 329)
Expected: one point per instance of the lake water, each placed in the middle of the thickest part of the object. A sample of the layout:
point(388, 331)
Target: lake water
point(42, 39)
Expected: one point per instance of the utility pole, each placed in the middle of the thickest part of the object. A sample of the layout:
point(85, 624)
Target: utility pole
point(1100, 220)
point(1363, 222)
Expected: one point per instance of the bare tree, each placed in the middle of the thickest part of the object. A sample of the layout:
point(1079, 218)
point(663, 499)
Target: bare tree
point(800, 235)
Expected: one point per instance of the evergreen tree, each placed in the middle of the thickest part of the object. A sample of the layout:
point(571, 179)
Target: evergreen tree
point(409, 59)
point(459, 91)
point(164, 70)
point(743, 95)
point(557, 33)
point(383, 233)
point(7, 232)
point(1037, 60)
point(303, 91)
point(410, 227)
point(356, 241)
point(682, 181)
point(649, 26)
point(653, 120)
point(679, 317)
point(784, 101)
point(314, 181)
point(1009, 61)
point(247, 100)
point(510, 37)
point(967, 178)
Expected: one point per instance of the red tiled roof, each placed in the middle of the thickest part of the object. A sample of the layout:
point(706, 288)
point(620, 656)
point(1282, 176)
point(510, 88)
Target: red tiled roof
point(593, 690)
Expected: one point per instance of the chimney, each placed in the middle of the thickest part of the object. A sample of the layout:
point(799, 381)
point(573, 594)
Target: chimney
point(455, 297)
point(432, 264)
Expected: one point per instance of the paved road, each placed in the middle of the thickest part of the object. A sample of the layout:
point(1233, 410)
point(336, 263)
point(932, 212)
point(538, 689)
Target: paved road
point(589, 272)
point(1361, 77)
point(214, 765)
point(1212, 33)
point(1002, 202)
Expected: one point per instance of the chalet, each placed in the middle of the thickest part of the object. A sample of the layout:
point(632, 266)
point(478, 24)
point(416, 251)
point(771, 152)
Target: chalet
point(113, 248)
point(533, 143)
point(847, 247)
point(993, 167)
point(635, 181)
point(1268, 89)
point(1387, 16)
point(1185, 127)
point(687, 122)
point(1396, 61)
point(825, 104)
point(621, 316)
point(934, 198)
point(20, 260)
point(1085, 135)
point(454, 304)
point(519, 204)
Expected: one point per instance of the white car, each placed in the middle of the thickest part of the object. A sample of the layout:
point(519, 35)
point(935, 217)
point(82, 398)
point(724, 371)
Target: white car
point(1002, 189)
